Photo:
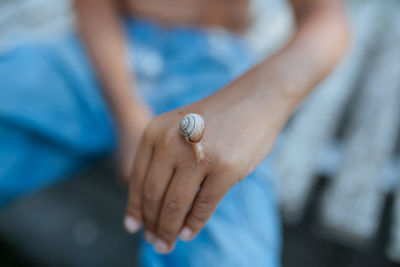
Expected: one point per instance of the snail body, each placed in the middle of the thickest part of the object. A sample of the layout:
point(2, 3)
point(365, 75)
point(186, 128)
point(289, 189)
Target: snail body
point(192, 127)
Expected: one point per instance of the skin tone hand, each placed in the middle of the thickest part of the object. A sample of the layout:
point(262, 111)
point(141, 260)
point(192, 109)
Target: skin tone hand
point(164, 184)
point(242, 122)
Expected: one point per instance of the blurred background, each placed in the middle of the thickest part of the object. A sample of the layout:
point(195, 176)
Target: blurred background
point(338, 160)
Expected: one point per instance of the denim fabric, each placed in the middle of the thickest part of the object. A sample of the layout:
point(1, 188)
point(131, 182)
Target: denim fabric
point(54, 119)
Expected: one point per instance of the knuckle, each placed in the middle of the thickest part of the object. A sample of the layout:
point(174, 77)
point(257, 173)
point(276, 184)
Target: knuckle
point(172, 206)
point(151, 127)
point(168, 137)
point(195, 220)
point(226, 164)
point(149, 196)
point(164, 143)
point(200, 213)
point(225, 168)
point(203, 205)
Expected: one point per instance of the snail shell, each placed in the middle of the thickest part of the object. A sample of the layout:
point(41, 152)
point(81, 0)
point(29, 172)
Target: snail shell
point(192, 127)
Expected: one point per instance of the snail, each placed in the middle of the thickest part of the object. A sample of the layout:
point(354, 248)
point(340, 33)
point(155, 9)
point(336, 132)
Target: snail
point(192, 127)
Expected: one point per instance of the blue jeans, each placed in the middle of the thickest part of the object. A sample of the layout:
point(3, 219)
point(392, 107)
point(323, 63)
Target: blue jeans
point(54, 120)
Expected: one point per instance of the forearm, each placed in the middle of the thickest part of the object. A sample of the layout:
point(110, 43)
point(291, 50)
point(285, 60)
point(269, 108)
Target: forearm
point(99, 23)
point(276, 86)
point(320, 42)
point(263, 99)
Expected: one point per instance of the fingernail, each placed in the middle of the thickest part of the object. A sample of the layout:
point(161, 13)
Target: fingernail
point(160, 246)
point(150, 238)
point(186, 234)
point(131, 224)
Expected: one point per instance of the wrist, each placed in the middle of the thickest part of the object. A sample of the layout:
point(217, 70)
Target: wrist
point(132, 118)
point(266, 92)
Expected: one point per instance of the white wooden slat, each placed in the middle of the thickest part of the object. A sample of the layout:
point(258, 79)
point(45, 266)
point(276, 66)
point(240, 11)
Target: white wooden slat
point(352, 205)
point(315, 123)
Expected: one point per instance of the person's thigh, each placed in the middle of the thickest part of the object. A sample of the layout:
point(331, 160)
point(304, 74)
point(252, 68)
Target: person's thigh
point(52, 116)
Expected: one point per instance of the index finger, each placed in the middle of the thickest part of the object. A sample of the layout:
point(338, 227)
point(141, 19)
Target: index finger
point(133, 218)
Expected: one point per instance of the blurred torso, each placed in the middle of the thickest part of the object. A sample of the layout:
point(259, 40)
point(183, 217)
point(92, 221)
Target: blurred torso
point(229, 14)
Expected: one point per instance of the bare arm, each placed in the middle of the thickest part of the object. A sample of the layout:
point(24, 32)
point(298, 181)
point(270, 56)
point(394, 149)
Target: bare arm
point(320, 41)
point(100, 26)
point(242, 123)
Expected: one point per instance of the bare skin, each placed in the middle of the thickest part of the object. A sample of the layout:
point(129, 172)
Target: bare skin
point(163, 185)
point(99, 22)
point(232, 15)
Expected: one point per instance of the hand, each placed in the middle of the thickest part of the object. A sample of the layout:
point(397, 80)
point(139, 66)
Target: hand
point(164, 186)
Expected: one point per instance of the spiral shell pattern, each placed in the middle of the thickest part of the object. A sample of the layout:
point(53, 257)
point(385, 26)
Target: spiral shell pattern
point(192, 127)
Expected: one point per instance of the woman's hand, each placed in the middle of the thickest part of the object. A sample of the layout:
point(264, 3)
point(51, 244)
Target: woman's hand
point(171, 198)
